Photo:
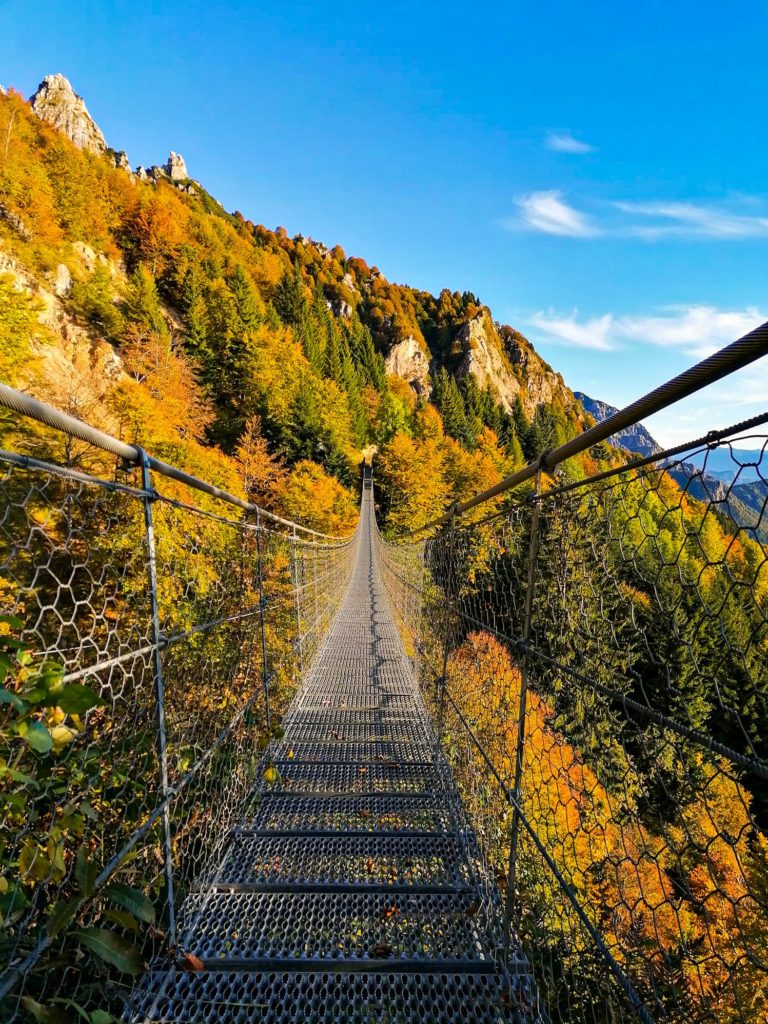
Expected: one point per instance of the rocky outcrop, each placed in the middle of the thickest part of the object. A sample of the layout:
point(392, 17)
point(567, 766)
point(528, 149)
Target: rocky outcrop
point(70, 366)
point(484, 357)
point(408, 360)
point(57, 103)
point(121, 160)
point(16, 222)
point(500, 356)
point(175, 168)
point(62, 281)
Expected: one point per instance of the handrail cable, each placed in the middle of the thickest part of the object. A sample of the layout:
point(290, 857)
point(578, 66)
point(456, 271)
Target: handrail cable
point(73, 427)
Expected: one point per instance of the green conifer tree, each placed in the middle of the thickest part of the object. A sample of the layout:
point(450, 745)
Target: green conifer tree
point(289, 300)
point(141, 305)
point(248, 307)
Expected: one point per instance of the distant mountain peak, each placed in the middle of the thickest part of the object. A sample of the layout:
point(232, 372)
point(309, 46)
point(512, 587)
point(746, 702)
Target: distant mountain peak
point(634, 439)
point(57, 103)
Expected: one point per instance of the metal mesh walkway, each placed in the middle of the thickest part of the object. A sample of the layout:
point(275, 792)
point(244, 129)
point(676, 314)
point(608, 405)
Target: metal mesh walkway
point(353, 890)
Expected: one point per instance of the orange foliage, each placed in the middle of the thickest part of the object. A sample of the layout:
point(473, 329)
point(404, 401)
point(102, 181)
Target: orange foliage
point(620, 870)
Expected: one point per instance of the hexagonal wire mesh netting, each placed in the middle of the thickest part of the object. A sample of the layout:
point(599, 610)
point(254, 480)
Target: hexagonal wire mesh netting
point(130, 744)
point(596, 656)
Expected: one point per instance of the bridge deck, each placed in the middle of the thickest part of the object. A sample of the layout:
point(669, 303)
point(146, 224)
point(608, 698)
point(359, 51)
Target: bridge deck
point(353, 890)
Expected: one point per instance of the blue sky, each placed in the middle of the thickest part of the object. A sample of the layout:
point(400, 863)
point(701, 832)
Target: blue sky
point(595, 172)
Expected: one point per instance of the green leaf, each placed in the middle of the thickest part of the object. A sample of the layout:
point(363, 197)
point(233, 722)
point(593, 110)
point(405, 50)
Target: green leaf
point(11, 620)
point(62, 914)
point(101, 1017)
point(73, 699)
point(8, 697)
point(48, 678)
point(132, 900)
point(36, 736)
point(26, 780)
point(85, 872)
point(88, 811)
point(75, 1006)
point(12, 902)
point(112, 949)
point(122, 918)
point(37, 1010)
point(12, 644)
point(46, 1014)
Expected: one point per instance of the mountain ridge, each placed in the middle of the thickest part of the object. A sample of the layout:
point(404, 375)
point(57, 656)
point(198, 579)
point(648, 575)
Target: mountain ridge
point(416, 332)
point(635, 439)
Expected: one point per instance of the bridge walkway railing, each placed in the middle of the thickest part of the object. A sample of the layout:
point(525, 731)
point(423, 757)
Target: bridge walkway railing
point(591, 637)
point(154, 630)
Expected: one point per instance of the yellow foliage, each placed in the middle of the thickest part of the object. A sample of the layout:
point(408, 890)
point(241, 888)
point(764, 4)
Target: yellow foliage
point(412, 472)
point(317, 500)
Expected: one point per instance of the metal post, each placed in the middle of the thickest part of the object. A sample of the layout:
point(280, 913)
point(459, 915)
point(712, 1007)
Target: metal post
point(512, 909)
point(298, 601)
point(262, 609)
point(442, 681)
point(159, 641)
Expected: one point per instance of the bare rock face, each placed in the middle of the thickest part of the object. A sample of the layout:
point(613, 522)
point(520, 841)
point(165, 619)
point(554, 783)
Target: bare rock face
point(176, 169)
point(62, 281)
point(57, 103)
point(122, 161)
point(485, 358)
point(503, 358)
point(408, 360)
point(16, 222)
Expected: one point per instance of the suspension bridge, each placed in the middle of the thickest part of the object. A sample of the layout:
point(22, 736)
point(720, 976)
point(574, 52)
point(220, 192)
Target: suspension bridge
point(255, 772)
point(353, 888)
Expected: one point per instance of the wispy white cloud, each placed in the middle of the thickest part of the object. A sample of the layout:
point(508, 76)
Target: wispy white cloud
point(564, 142)
point(695, 330)
point(692, 219)
point(547, 211)
point(594, 333)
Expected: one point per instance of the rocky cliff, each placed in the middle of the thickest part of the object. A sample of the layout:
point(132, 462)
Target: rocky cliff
point(502, 357)
point(407, 359)
point(57, 103)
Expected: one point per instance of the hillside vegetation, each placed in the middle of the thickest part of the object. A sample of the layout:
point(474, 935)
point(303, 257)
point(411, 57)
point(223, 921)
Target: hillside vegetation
point(143, 306)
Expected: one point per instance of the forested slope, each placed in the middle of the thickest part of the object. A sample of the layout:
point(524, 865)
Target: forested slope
point(137, 302)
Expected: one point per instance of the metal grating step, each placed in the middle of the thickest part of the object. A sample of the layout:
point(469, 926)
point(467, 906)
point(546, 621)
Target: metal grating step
point(393, 732)
point(375, 702)
point(369, 752)
point(323, 997)
point(387, 777)
point(352, 814)
point(363, 860)
point(256, 926)
point(342, 718)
